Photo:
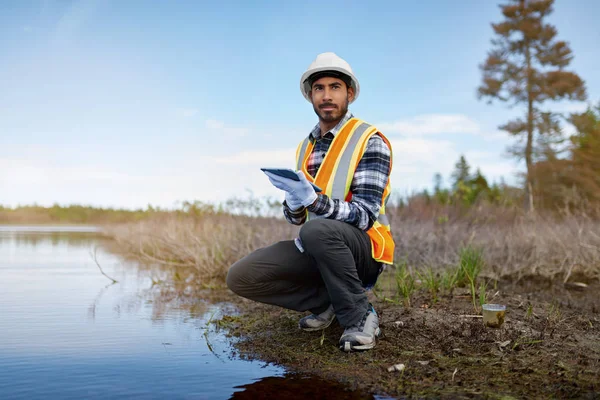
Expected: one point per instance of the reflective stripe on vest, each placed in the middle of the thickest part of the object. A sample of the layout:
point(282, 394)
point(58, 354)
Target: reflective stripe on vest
point(337, 171)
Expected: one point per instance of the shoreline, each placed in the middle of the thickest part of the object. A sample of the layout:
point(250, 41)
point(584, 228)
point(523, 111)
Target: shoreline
point(543, 349)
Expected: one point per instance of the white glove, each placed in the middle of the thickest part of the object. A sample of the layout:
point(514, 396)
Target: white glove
point(300, 192)
point(292, 202)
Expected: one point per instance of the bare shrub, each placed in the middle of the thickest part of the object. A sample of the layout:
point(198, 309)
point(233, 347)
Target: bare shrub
point(201, 247)
point(513, 244)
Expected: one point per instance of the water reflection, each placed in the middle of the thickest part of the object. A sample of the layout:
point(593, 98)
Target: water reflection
point(68, 332)
point(24, 229)
point(292, 387)
point(35, 238)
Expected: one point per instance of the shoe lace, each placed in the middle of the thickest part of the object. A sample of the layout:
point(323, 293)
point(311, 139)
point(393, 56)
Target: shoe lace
point(361, 324)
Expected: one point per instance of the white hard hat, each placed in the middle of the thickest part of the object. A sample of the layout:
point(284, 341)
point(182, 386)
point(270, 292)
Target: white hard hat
point(328, 62)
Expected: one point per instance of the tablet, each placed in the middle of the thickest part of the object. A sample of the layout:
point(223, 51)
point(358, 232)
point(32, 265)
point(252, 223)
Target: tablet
point(289, 174)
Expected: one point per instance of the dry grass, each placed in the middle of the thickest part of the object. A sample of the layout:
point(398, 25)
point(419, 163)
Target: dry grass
point(199, 248)
point(528, 246)
point(202, 247)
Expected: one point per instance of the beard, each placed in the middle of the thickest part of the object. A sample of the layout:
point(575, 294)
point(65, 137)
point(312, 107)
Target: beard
point(331, 116)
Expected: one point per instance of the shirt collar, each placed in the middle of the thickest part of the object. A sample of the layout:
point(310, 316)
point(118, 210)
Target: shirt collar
point(316, 131)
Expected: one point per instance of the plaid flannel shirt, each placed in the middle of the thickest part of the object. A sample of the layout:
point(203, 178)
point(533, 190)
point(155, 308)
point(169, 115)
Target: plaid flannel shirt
point(368, 183)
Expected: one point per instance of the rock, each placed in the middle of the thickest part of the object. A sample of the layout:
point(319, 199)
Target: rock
point(575, 285)
point(399, 324)
point(397, 367)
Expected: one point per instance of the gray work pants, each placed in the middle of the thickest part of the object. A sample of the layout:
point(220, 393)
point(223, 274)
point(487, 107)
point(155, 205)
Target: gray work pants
point(334, 268)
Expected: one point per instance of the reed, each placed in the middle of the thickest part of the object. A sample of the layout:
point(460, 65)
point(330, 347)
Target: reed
point(204, 242)
point(198, 248)
point(405, 283)
point(432, 281)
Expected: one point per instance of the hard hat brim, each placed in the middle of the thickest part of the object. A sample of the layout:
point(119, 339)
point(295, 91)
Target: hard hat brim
point(305, 86)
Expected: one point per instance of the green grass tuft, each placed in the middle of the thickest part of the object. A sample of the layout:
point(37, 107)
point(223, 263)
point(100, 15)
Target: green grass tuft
point(405, 283)
point(431, 281)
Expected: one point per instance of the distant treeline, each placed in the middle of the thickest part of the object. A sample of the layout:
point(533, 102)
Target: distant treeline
point(82, 214)
point(565, 180)
point(72, 214)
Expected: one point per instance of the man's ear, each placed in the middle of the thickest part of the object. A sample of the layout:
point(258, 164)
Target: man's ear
point(350, 94)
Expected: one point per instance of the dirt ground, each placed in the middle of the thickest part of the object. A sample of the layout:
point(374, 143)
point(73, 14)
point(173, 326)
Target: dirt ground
point(548, 347)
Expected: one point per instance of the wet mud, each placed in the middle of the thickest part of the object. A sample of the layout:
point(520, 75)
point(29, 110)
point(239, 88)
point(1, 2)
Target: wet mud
point(547, 347)
point(297, 386)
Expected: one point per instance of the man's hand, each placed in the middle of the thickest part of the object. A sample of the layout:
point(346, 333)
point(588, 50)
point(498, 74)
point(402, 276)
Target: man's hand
point(299, 192)
point(293, 203)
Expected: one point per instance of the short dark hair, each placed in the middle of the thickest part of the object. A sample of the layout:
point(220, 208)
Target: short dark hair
point(334, 74)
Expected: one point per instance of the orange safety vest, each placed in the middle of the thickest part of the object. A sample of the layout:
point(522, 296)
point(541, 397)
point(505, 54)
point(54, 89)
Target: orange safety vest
point(337, 171)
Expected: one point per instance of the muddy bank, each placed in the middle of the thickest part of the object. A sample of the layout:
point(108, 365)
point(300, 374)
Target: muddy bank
point(545, 349)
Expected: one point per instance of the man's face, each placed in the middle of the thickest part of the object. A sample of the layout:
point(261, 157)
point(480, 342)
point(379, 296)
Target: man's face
point(330, 98)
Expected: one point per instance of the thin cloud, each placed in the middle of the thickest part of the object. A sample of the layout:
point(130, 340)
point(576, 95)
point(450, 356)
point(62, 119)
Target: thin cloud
point(222, 127)
point(15, 171)
point(417, 160)
point(267, 158)
point(186, 112)
point(24, 181)
point(415, 150)
point(437, 124)
point(73, 20)
point(431, 124)
point(570, 107)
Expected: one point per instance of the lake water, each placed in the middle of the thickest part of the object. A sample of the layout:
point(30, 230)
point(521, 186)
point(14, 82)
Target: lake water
point(66, 332)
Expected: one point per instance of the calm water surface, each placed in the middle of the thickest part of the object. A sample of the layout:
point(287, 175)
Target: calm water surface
point(66, 332)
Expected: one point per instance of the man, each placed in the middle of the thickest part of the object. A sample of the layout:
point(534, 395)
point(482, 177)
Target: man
point(345, 240)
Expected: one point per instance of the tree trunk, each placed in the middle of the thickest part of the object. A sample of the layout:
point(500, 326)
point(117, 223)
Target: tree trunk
point(529, 146)
point(528, 159)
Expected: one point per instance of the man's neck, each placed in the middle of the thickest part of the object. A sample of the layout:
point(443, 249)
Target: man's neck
point(327, 126)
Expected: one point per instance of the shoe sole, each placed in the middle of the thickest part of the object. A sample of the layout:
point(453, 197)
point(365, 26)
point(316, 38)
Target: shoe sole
point(319, 328)
point(348, 347)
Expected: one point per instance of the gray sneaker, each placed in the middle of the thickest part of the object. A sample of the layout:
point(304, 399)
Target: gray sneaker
point(317, 322)
point(361, 336)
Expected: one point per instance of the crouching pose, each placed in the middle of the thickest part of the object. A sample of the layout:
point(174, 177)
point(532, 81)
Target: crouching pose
point(345, 239)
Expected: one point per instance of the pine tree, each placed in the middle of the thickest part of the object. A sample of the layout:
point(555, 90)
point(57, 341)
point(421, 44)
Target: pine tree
point(461, 172)
point(479, 184)
point(441, 195)
point(585, 154)
point(437, 183)
point(526, 66)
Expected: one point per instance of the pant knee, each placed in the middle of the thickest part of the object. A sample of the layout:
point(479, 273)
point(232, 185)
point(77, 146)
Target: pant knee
point(316, 233)
point(236, 278)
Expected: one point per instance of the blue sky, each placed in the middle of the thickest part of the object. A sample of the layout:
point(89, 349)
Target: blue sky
point(129, 103)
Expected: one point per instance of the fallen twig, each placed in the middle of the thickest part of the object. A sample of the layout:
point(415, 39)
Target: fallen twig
point(99, 267)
